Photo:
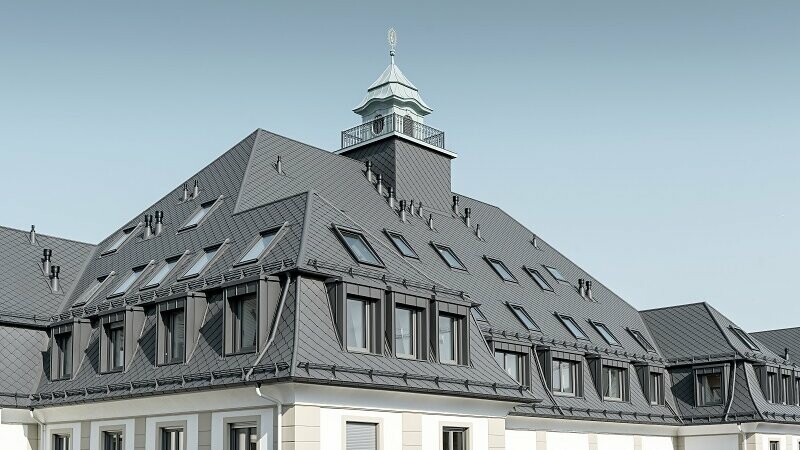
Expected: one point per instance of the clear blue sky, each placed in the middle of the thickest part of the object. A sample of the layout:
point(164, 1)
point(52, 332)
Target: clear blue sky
point(657, 144)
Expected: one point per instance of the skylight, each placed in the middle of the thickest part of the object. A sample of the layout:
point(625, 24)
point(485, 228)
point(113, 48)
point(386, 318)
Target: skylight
point(744, 337)
point(605, 333)
point(402, 244)
point(127, 282)
point(89, 293)
point(501, 270)
point(539, 279)
point(449, 257)
point(202, 262)
point(359, 248)
point(556, 274)
point(478, 314)
point(161, 273)
point(259, 246)
point(573, 327)
point(117, 243)
point(198, 215)
point(642, 340)
point(523, 317)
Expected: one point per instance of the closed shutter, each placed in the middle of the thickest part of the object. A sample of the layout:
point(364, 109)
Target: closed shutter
point(362, 436)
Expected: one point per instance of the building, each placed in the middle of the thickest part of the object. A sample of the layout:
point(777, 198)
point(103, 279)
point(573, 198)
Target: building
point(288, 297)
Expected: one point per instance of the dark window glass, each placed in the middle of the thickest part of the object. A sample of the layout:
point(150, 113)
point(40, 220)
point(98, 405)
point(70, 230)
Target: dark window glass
point(243, 437)
point(112, 440)
point(198, 215)
point(510, 362)
point(174, 336)
point(172, 439)
point(127, 282)
point(116, 346)
point(358, 324)
point(259, 246)
point(614, 383)
point(201, 263)
point(245, 323)
point(405, 332)
point(774, 445)
point(656, 388)
point(642, 341)
point(573, 327)
point(454, 438)
point(161, 273)
point(501, 270)
point(710, 389)
point(565, 377)
point(539, 279)
point(786, 389)
point(63, 355)
point(556, 274)
point(524, 317)
point(449, 344)
point(402, 244)
point(605, 333)
point(61, 442)
point(450, 257)
point(359, 248)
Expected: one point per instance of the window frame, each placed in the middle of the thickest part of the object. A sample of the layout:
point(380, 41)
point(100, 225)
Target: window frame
point(110, 330)
point(606, 371)
point(61, 441)
point(640, 339)
point(447, 435)
point(440, 248)
point(522, 315)
point(230, 427)
point(574, 372)
point(175, 260)
point(556, 274)
point(498, 266)
point(91, 292)
point(216, 248)
point(166, 431)
point(369, 307)
point(135, 275)
point(602, 329)
point(63, 365)
point(521, 377)
point(565, 319)
point(746, 339)
point(168, 320)
point(276, 231)
point(458, 340)
point(655, 387)
point(340, 232)
point(237, 330)
point(128, 233)
point(395, 234)
point(703, 373)
point(106, 434)
point(212, 205)
point(415, 331)
point(538, 278)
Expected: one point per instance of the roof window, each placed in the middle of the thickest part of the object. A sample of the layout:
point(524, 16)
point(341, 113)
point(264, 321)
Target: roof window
point(603, 330)
point(89, 293)
point(642, 340)
point(402, 244)
point(501, 270)
point(449, 257)
point(478, 314)
point(202, 262)
point(128, 281)
point(199, 214)
point(359, 248)
point(121, 239)
point(260, 246)
point(162, 272)
point(556, 274)
point(524, 317)
point(573, 327)
point(744, 337)
point(539, 279)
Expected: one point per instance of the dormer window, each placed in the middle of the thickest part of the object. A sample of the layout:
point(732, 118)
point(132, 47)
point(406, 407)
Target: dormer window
point(161, 274)
point(450, 338)
point(360, 323)
point(556, 274)
point(745, 338)
point(62, 352)
point(115, 346)
point(642, 340)
point(573, 327)
point(539, 279)
point(523, 317)
point(127, 282)
point(259, 247)
point(199, 214)
point(501, 270)
point(358, 247)
point(478, 314)
point(201, 262)
point(710, 388)
point(512, 363)
point(117, 243)
point(614, 383)
point(402, 245)
point(245, 323)
point(449, 257)
point(603, 330)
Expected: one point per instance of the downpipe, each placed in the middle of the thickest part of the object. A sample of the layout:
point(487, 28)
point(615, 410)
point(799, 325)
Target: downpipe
point(279, 414)
point(42, 436)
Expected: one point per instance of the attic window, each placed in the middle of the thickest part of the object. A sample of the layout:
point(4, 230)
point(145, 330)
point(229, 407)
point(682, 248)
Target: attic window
point(744, 337)
point(642, 340)
point(358, 247)
point(202, 262)
point(402, 244)
point(603, 330)
point(126, 233)
point(478, 314)
point(539, 279)
point(556, 274)
point(260, 246)
point(128, 281)
point(89, 293)
point(449, 257)
point(162, 272)
point(524, 317)
point(501, 270)
point(573, 327)
point(199, 214)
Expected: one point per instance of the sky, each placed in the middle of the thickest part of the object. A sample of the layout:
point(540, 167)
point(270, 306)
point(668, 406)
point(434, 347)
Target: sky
point(656, 144)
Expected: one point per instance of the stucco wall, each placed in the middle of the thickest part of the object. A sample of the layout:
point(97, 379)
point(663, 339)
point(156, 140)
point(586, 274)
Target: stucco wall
point(717, 442)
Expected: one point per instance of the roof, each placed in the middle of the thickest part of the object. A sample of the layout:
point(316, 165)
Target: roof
point(392, 84)
point(781, 340)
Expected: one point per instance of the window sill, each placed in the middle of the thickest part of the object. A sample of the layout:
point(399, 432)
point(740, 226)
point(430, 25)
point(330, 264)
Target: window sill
point(151, 286)
point(110, 371)
point(188, 277)
point(615, 400)
point(361, 351)
point(171, 363)
point(245, 263)
point(565, 394)
point(242, 352)
point(186, 228)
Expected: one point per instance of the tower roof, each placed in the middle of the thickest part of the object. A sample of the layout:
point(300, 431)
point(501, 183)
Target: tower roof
point(392, 86)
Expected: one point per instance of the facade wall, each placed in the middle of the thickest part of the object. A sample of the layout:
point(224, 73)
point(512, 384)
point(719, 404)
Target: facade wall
point(715, 442)
point(21, 437)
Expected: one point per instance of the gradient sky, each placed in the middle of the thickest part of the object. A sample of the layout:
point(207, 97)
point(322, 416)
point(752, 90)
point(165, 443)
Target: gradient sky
point(657, 144)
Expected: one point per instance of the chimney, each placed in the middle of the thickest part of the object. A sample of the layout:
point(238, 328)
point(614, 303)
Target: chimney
point(380, 184)
point(589, 293)
point(33, 235)
point(195, 190)
point(455, 204)
point(581, 287)
point(786, 353)
point(185, 196)
point(402, 210)
point(369, 171)
point(279, 165)
point(478, 232)
point(468, 216)
point(47, 255)
point(148, 227)
point(54, 271)
point(430, 221)
point(159, 227)
point(391, 197)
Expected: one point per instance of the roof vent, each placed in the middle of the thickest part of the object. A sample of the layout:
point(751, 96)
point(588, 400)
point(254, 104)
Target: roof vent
point(455, 204)
point(582, 287)
point(54, 272)
point(391, 197)
point(411, 207)
point(419, 208)
point(369, 171)
point(402, 210)
point(185, 196)
point(478, 232)
point(468, 216)
point(380, 184)
point(159, 226)
point(430, 221)
point(47, 255)
point(535, 241)
point(279, 165)
point(786, 353)
point(196, 190)
point(589, 293)
point(148, 227)
point(32, 236)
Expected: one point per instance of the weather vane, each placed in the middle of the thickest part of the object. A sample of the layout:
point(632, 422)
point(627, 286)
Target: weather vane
point(392, 38)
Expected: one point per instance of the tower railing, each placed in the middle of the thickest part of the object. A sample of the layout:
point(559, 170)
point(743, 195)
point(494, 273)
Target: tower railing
point(392, 123)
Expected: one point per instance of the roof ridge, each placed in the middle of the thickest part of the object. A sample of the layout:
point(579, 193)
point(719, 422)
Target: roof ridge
point(774, 330)
point(711, 312)
point(48, 235)
point(683, 305)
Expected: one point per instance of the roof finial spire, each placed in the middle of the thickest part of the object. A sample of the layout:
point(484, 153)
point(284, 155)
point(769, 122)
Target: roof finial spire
point(392, 38)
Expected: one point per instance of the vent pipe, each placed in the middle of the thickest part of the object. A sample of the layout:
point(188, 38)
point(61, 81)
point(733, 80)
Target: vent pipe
point(185, 196)
point(159, 226)
point(786, 353)
point(47, 255)
point(369, 171)
point(430, 221)
point(582, 287)
point(589, 293)
point(279, 165)
point(468, 216)
point(380, 184)
point(535, 241)
point(391, 197)
point(195, 190)
point(148, 227)
point(478, 232)
point(411, 208)
point(54, 272)
point(455, 204)
point(32, 235)
point(419, 208)
point(402, 210)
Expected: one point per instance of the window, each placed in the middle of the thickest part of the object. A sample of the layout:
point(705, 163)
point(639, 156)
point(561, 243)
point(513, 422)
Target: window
point(656, 388)
point(361, 436)
point(358, 247)
point(454, 438)
point(128, 281)
point(259, 246)
point(573, 327)
point(564, 377)
point(174, 344)
point(112, 440)
point(115, 337)
point(63, 355)
point(603, 330)
point(449, 332)
point(786, 389)
point(245, 323)
point(117, 243)
point(201, 262)
point(405, 332)
point(556, 274)
point(449, 257)
point(359, 324)
point(512, 363)
point(89, 293)
point(478, 314)
point(243, 437)
point(402, 244)
point(797, 391)
point(613, 383)
point(774, 445)
point(172, 439)
point(642, 340)
point(501, 270)
point(162, 272)
point(771, 388)
point(523, 317)
point(745, 338)
point(709, 389)
point(539, 279)
point(198, 215)
point(61, 442)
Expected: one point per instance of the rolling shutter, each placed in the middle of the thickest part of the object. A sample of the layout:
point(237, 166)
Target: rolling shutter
point(362, 436)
